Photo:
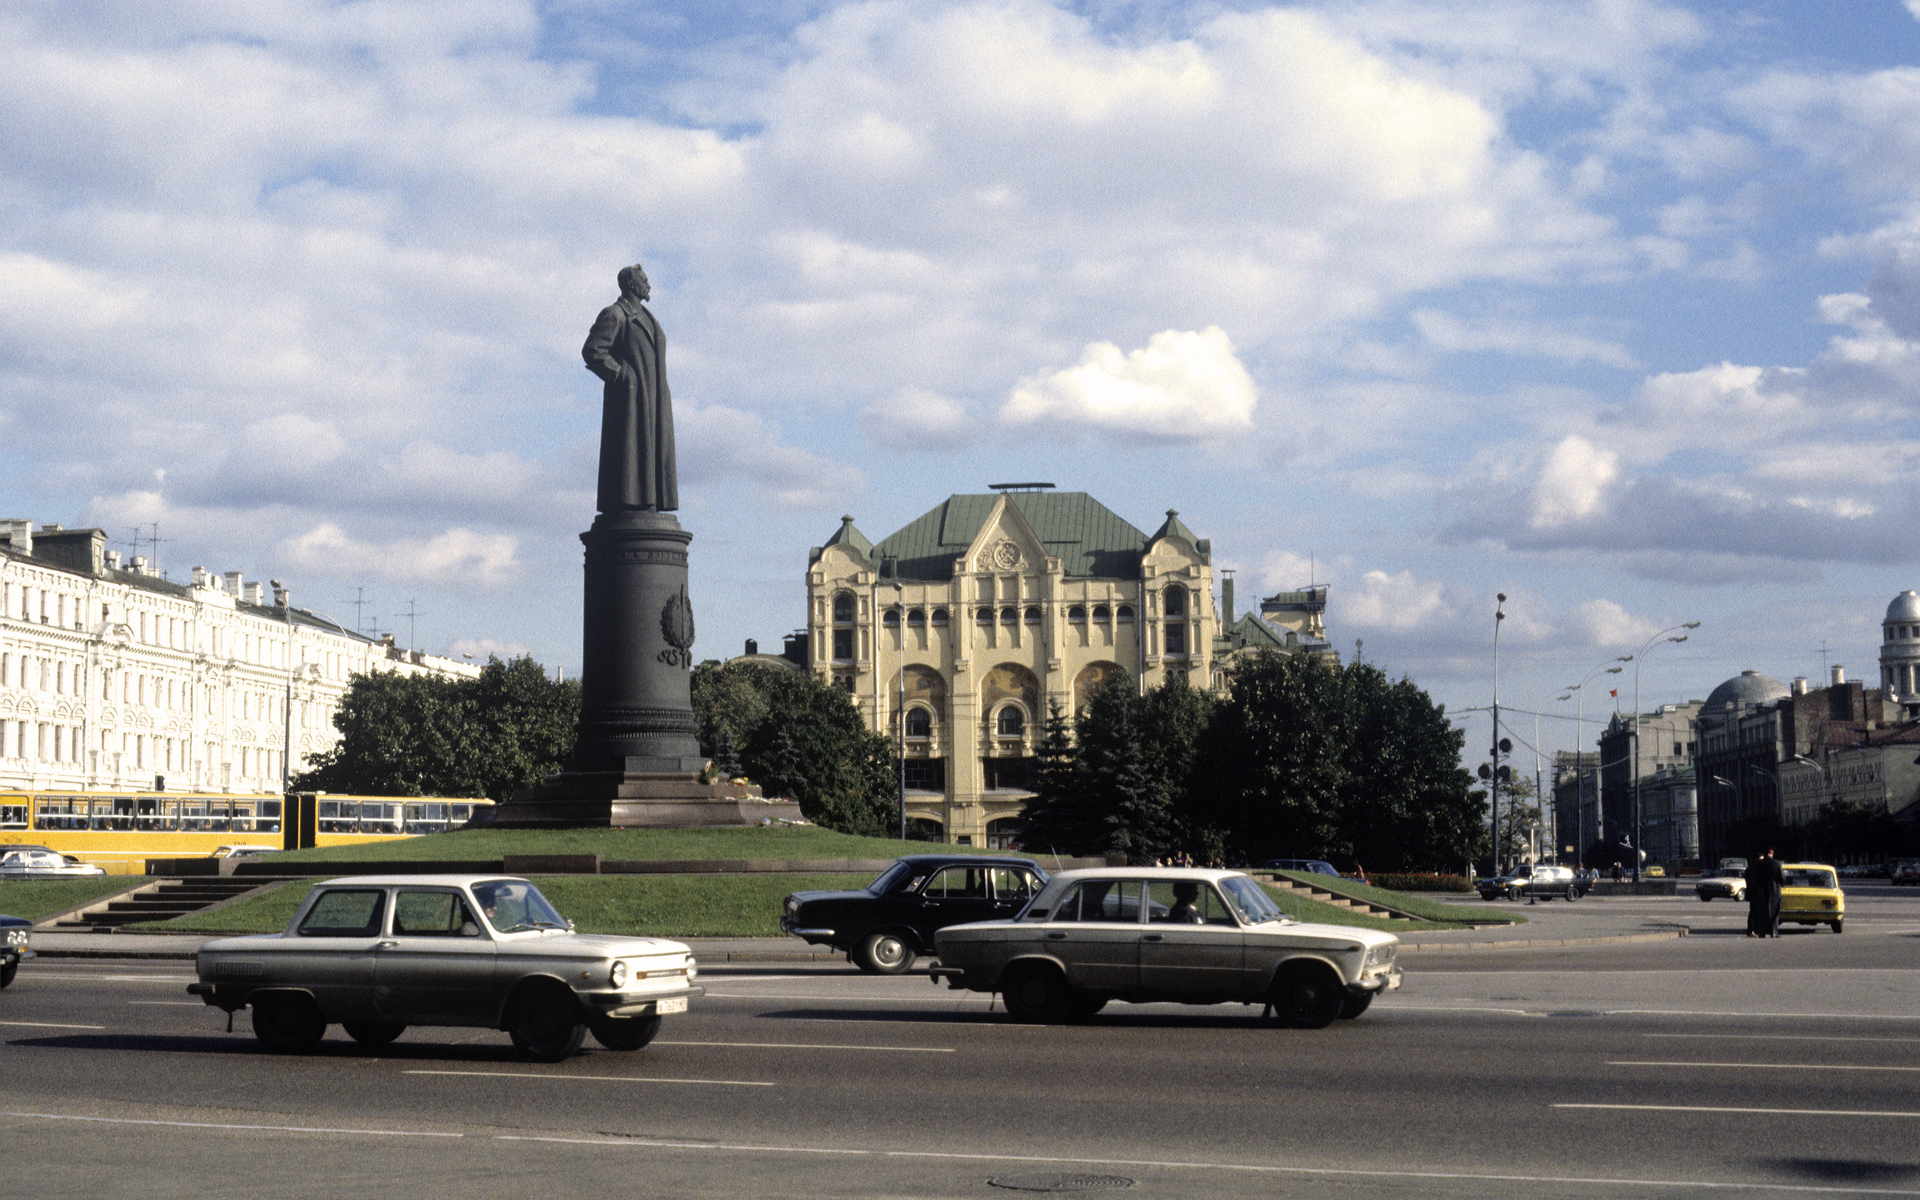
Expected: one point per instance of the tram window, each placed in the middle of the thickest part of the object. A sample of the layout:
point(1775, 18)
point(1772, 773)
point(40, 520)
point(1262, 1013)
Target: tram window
point(13, 816)
point(59, 812)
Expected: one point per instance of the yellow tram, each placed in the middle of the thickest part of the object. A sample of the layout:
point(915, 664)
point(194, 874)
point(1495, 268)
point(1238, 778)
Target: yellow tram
point(121, 830)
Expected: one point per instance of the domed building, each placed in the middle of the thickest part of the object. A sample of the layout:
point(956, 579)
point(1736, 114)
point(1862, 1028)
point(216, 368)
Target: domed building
point(1900, 654)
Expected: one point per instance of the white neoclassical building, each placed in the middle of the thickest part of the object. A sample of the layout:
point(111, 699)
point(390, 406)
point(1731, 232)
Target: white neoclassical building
point(112, 677)
point(1900, 655)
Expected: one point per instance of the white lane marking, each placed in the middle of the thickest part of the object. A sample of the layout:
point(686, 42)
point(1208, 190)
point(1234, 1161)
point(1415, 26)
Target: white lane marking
point(1764, 1066)
point(1248, 1168)
point(978, 997)
point(50, 1025)
point(250, 1128)
point(170, 1003)
point(1768, 1112)
point(815, 1046)
point(117, 978)
point(597, 1078)
point(1773, 1037)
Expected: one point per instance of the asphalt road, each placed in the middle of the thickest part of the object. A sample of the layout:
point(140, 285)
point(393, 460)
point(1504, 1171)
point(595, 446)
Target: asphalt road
point(1703, 1065)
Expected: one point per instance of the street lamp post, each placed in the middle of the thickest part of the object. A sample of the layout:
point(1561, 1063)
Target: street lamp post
point(1499, 615)
point(1579, 727)
point(285, 600)
point(1639, 657)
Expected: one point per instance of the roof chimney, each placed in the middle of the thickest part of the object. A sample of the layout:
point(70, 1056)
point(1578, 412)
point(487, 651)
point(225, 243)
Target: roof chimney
point(1226, 598)
point(233, 584)
point(113, 560)
point(1799, 685)
point(1839, 675)
point(19, 535)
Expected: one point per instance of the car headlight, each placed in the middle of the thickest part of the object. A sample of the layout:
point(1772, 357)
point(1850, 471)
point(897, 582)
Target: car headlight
point(1381, 955)
point(618, 976)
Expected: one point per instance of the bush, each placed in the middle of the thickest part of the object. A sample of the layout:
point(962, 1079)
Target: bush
point(1423, 883)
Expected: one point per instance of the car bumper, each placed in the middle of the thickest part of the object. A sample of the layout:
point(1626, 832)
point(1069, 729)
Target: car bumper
point(1388, 981)
point(812, 936)
point(626, 1004)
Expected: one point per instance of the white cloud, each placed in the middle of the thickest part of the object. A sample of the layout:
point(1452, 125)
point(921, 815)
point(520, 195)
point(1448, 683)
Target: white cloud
point(1398, 603)
point(916, 419)
point(1179, 387)
point(454, 558)
point(719, 443)
point(481, 649)
point(1456, 335)
point(1573, 483)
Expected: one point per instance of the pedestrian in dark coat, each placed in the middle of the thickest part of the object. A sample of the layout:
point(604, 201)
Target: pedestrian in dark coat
point(1764, 878)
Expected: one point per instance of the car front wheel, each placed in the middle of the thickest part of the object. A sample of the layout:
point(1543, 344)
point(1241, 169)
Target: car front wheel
point(547, 1028)
point(288, 1024)
point(1035, 994)
point(8, 971)
point(884, 954)
point(1308, 996)
point(625, 1033)
point(372, 1033)
point(1353, 1006)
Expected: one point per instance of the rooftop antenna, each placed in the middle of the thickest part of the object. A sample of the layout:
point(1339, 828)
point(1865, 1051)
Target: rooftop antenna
point(410, 615)
point(1826, 668)
point(359, 603)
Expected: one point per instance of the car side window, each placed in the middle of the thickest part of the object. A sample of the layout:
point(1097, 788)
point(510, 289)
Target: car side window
point(433, 914)
point(1013, 884)
point(957, 883)
point(346, 912)
point(1106, 900)
point(1194, 904)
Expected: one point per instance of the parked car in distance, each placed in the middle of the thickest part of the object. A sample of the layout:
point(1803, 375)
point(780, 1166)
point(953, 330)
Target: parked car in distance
point(1811, 896)
point(1729, 883)
point(1655, 871)
point(16, 943)
point(44, 864)
point(243, 851)
point(1145, 935)
point(377, 953)
point(1535, 881)
point(883, 927)
point(1311, 866)
point(1906, 874)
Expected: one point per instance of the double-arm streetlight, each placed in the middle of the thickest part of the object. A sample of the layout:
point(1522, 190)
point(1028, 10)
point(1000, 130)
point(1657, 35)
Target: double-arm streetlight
point(1499, 615)
point(1639, 657)
point(1610, 667)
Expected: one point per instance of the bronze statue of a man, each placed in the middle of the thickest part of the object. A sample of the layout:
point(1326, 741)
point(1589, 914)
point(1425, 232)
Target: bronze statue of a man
point(627, 349)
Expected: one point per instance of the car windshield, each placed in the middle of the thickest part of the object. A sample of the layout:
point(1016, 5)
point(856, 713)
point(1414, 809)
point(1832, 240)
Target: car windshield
point(514, 905)
point(1250, 901)
point(888, 879)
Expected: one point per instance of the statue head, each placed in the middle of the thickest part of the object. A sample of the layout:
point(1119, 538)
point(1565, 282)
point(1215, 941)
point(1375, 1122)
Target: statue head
point(633, 282)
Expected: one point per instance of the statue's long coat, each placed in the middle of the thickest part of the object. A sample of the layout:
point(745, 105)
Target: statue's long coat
point(627, 349)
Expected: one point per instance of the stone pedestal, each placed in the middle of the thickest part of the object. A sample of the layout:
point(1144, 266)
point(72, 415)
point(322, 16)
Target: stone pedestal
point(638, 760)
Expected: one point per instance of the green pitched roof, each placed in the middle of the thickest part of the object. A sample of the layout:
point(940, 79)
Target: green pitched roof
point(1089, 538)
point(850, 536)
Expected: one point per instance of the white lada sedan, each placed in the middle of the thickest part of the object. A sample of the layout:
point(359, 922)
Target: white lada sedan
point(378, 953)
point(1154, 934)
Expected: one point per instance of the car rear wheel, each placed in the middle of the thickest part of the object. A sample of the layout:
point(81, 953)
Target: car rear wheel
point(547, 1027)
point(7, 973)
point(372, 1033)
point(1308, 996)
point(1353, 1006)
point(884, 954)
point(625, 1033)
point(1836, 926)
point(1573, 893)
point(288, 1024)
point(1036, 994)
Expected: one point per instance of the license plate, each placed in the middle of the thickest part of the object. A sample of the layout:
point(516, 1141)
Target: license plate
point(672, 1005)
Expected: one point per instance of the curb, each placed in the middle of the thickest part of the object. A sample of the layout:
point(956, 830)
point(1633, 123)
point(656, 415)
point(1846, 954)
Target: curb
point(1540, 943)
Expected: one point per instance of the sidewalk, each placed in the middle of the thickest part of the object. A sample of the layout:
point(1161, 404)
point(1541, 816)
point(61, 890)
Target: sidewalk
point(1579, 924)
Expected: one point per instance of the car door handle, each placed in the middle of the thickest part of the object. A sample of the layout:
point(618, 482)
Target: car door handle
point(1152, 937)
point(385, 945)
point(1057, 937)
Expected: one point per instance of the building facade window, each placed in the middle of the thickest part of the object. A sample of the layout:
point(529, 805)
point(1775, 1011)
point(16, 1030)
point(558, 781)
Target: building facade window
point(919, 723)
point(1010, 722)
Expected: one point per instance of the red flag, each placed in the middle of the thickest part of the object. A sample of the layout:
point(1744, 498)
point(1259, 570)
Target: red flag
point(1615, 693)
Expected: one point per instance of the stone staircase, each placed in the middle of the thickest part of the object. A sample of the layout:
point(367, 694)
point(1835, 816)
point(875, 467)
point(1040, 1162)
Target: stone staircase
point(1325, 896)
point(160, 901)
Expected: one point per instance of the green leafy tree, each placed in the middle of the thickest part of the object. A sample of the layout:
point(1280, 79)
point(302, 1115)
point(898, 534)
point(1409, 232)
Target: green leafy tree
point(1519, 810)
point(801, 739)
point(433, 735)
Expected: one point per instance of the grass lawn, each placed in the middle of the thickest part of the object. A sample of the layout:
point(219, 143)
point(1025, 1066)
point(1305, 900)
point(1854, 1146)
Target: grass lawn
point(635, 845)
point(676, 906)
point(37, 898)
point(1452, 916)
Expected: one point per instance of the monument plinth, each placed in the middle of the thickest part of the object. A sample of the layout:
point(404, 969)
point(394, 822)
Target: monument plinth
point(637, 761)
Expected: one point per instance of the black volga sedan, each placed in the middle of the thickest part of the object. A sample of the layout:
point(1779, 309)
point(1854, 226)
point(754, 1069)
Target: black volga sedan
point(16, 934)
point(884, 926)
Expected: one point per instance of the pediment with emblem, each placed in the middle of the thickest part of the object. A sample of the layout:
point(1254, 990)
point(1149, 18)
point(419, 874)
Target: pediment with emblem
point(1006, 544)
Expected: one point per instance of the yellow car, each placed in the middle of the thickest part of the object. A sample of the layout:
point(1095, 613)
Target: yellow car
point(1812, 896)
point(1656, 871)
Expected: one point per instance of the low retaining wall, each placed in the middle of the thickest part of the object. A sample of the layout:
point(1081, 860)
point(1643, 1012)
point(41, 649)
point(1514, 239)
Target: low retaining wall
point(543, 864)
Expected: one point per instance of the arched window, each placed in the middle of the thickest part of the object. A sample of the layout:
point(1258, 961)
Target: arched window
point(891, 618)
point(1124, 613)
point(917, 617)
point(983, 615)
point(843, 607)
point(1011, 722)
point(1174, 601)
point(919, 723)
point(1102, 613)
point(939, 616)
point(1032, 616)
point(1008, 615)
point(1077, 613)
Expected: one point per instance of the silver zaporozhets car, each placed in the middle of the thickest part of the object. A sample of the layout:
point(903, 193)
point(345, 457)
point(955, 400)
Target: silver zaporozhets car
point(378, 953)
point(1152, 934)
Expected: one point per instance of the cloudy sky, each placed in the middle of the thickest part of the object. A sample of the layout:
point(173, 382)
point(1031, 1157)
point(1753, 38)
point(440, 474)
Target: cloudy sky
point(1612, 306)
